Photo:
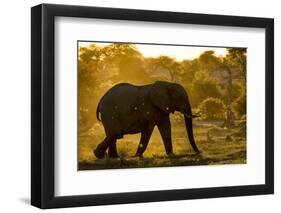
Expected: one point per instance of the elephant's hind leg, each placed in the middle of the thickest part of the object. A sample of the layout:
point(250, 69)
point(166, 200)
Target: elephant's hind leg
point(102, 147)
point(112, 150)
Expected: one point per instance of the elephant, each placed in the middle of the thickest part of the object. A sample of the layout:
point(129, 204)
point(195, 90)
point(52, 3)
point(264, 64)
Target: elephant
point(130, 109)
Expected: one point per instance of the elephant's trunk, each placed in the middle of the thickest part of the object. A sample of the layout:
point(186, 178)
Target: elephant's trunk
point(189, 128)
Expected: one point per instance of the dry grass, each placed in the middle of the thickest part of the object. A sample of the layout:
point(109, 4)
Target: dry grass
point(220, 146)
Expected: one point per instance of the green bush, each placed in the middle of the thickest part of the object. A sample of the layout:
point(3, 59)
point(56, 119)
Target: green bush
point(212, 108)
point(203, 87)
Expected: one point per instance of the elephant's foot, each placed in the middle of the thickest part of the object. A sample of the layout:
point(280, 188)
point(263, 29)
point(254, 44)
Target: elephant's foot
point(113, 155)
point(112, 152)
point(98, 153)
point(140, 155)
point(171, 155)
point(197, 152)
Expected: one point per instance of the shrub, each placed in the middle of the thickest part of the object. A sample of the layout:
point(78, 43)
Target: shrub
point(203, 87)
point(212, 108)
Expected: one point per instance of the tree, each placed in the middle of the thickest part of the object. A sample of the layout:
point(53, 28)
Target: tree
point(208, 61)
point(169, 64)
point(235, 65)
point(206, 76)
point(189, 70)
point(89, 69)
point(99, 68)
point(128, 60)
point(199, 76)
point(203, 87)
point(239, 104)
point(237, 59)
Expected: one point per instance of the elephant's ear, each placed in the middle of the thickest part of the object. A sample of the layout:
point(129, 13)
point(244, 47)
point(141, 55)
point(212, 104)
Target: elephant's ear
point(159, 96)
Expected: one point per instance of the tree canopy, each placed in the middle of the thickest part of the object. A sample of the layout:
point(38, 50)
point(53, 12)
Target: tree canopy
point(219, 79)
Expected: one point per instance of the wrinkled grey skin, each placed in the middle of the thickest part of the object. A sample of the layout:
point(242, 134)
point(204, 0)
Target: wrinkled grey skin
point(129, 109)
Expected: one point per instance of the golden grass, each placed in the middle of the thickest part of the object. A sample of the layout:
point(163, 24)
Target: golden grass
point(222, 146)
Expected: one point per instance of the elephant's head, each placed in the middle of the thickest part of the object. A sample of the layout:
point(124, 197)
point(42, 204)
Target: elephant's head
point(170, 97)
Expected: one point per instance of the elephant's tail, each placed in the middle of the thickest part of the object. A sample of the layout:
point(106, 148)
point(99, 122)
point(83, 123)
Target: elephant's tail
point(98, 112)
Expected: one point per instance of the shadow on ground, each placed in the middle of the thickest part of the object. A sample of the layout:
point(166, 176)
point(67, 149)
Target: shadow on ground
point(162, 161)
point(217, 145)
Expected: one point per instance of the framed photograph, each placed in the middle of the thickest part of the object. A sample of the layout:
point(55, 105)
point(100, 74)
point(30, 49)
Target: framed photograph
point(139, 106)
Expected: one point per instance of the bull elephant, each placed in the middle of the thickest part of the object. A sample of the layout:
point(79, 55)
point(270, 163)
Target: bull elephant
point(130, 109)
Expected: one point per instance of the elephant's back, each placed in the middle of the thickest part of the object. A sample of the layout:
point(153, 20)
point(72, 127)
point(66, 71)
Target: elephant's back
point(120, 93)
point(119, 109)
point(119, 100)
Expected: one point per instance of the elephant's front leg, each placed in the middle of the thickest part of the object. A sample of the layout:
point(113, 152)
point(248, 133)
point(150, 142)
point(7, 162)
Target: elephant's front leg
point(145, 136)
point(164, 127)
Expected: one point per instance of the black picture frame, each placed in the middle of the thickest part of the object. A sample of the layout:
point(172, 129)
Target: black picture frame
point(43, 102)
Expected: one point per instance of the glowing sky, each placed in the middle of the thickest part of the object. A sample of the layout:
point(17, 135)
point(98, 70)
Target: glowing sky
point(178, 52)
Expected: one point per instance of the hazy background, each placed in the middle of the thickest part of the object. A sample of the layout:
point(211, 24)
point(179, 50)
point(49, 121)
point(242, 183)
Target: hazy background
point(214, 77)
